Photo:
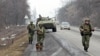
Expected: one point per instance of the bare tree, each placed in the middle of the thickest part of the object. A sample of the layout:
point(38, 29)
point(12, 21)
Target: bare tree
point(77, 10)
point(12, 12)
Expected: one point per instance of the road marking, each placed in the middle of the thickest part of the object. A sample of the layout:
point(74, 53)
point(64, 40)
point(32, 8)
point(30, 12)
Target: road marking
point(55, 53)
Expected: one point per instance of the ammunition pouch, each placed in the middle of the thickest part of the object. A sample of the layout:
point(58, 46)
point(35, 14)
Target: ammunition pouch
point(86, 33)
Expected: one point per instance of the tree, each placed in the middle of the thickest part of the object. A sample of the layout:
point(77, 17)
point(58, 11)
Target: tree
point(79, 9)
point(12, 12)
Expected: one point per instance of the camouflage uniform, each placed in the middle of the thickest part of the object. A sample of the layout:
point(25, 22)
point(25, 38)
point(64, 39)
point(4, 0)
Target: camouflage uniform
point(40, 34)
point(31, 28)
point(86, 33)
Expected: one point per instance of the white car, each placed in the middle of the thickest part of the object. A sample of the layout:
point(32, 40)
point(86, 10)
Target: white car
point(65, 25)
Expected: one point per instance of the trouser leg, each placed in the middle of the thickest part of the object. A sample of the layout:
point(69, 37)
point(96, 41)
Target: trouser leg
point(40, 39)
point(87, 41)
point(83, 40)
point(30, 38)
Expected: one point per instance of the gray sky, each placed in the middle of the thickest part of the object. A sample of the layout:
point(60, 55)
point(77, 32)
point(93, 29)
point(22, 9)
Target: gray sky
point(45, 7)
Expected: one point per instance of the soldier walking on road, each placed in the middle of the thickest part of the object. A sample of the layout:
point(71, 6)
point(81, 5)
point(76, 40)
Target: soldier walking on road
point(86, 32)
point(31, 28)
point(40, 35)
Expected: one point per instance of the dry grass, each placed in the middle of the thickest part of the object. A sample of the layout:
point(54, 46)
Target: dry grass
point(17, 48)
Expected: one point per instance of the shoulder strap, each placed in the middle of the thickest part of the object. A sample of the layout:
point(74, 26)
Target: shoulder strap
point(90, 27)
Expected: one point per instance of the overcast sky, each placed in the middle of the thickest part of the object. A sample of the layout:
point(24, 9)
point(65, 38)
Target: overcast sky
point(45, 7)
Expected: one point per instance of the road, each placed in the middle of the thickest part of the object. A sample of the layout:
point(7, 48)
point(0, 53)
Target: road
point(64, 43)
point(94, 49)
point(51, 48)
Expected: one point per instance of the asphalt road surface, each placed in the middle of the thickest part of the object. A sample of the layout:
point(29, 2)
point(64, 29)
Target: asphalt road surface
point(51, 48)
point(64, 43)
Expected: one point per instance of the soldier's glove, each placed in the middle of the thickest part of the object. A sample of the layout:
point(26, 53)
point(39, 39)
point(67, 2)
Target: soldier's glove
point(81, 30)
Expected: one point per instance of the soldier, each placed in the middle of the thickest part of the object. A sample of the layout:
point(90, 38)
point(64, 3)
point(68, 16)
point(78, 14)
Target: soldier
point(38, 19)
point(86, 32)
point(31, 28)
point(40, 35)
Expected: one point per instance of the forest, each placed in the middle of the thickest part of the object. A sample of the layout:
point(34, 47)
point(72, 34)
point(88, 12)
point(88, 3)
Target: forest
point(12, 12)
point(75, 11)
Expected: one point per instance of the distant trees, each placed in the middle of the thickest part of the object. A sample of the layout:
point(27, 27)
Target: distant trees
point(77, 10)
point(12, 12)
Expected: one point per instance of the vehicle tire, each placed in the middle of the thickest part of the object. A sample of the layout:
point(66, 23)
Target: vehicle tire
point(54, 29)
point(68, 28)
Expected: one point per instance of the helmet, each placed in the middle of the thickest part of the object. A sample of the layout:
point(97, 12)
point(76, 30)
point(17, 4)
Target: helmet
point(40, 25)
point(86, 19)
point(40, 16)
point(31, 22)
